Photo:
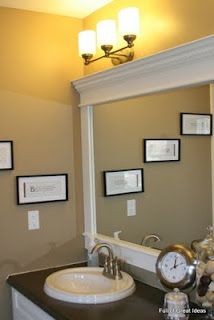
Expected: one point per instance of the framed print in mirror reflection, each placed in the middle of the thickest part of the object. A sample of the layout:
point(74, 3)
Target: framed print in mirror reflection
point(161, 150)
point(196, 124)
point(121, 182)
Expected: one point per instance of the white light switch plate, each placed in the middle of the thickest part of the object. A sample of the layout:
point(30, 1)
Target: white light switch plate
point(33, 220)
point(131, 207)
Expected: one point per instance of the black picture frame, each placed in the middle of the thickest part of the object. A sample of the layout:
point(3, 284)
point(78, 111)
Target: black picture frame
point(161, 150)
point(196, 124)
point(6, 155)
point(115, 181)
point(43, 188)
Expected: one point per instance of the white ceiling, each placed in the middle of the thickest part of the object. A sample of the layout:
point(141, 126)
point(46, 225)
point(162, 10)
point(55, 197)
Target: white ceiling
point(73, 8)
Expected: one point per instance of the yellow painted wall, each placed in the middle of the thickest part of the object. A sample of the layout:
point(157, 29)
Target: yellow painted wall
point(38, 111)
point(164, 24)
point(39, 54)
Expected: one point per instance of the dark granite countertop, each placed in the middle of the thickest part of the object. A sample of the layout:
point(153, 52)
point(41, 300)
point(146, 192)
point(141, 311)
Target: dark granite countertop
point(143, 304)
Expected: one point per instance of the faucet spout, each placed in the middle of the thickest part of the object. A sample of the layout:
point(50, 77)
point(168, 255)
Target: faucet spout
point(99, 246)
point(112, 265)
point(149, 237)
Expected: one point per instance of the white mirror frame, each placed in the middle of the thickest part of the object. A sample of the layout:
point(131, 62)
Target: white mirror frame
point(186, 65)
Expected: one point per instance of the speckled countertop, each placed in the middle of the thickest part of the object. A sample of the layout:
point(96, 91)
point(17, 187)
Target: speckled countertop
point(143, 304)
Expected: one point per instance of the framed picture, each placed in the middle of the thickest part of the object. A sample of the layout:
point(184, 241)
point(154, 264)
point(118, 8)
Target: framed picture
point(123, 181)
point(42, 188)
point(196, 124)
point(159, 150)
point(6, 155)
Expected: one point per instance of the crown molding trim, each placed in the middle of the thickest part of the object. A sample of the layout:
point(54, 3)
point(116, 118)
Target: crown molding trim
point(185, 65)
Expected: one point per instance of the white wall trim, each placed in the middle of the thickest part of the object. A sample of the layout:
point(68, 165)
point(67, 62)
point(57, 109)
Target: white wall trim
point(186, 65)
point(212, 148)
point(132, 253)
point(88, 174)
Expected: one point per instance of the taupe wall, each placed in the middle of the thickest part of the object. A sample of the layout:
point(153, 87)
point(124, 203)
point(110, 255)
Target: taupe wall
point(39, 112)
point(177, 198)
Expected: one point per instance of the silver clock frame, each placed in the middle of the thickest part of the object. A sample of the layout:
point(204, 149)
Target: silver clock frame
point(190, 276)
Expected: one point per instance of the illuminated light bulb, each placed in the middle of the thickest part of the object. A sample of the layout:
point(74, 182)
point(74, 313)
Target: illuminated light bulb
point(106, 33)
point(87, 42)
point(129, 22)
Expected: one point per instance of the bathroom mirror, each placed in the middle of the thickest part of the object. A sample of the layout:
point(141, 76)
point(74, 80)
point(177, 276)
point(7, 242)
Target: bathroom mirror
point(188, 65)
point(176, 204)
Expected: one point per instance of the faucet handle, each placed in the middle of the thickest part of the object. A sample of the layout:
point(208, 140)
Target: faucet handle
point(116, 270)
point(106, 265)
point(111, 266)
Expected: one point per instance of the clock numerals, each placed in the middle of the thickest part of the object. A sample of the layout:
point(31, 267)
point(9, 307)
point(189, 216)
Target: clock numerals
point(174, 267)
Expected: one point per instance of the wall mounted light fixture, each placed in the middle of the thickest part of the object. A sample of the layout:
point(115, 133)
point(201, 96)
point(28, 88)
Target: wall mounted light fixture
point(128, 23)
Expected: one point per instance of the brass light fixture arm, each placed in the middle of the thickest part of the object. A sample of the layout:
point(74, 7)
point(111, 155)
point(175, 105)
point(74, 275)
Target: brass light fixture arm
point(108, 54)
point(88, 60)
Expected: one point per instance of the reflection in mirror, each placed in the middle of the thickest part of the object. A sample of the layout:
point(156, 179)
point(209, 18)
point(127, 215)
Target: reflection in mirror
point(176, 205)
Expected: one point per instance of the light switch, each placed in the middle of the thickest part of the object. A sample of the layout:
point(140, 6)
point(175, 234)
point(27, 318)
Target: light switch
point(131, 207)
point(33, 220)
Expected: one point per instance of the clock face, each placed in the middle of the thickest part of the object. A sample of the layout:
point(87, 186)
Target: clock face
point(176, 267)
point(173, 267)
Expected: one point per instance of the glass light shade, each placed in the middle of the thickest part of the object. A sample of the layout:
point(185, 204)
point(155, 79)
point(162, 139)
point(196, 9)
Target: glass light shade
point(87, 42)
point(106, 33)
point(129, 22)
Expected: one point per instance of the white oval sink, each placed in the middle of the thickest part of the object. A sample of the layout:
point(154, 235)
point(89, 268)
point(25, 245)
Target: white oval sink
point(87, 285)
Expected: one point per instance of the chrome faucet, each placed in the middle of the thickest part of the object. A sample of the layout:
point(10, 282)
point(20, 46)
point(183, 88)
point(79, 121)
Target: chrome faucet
point(149, 237)
point(111, 265)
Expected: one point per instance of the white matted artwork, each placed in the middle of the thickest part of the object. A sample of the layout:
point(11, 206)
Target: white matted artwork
point(160, 150)
point(196, 124)
point(123, 181)
point(42, 188)
point(6, 155)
